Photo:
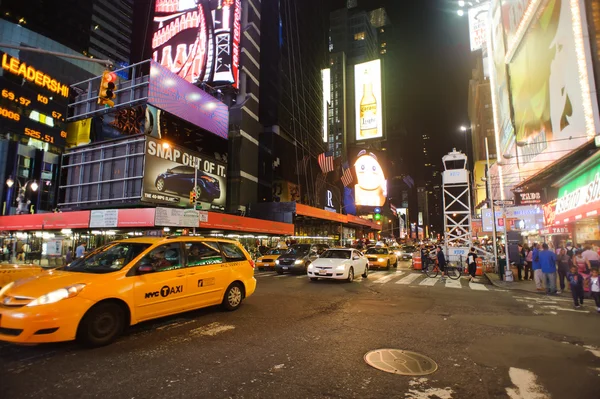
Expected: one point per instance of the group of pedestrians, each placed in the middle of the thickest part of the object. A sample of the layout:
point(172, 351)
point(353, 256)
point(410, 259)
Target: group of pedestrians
point(577, 267)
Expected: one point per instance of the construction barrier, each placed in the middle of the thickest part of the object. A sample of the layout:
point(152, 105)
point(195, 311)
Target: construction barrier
point(479, 263)
point(416, 261)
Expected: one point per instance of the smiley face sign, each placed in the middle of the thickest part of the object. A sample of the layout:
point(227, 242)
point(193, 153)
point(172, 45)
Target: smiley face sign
point(371, 186)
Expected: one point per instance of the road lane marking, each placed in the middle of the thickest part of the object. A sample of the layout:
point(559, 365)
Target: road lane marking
point(565, 309)
point(409, 279)
point(303, 276)
point(430, 282)
point(526, 385)
point(211, 329)
point(453, 283)
point(387, 278)
point(478, 287)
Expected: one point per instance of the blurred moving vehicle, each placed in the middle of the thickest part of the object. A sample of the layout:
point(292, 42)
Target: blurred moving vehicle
point(381, 258)
point(95, 298)
point(268, 259)
point(298, 257)
point(341, 264)
point(406, 253)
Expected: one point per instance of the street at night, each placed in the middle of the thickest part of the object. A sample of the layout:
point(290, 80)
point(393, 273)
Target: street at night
point(300, 339)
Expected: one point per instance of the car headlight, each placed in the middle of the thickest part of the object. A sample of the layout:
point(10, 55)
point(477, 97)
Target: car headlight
point(299, 262)
point(380, 260)
point(6, 288)
point(276, 261)
point(58, 295)
point(310, 267)
point(341, 267)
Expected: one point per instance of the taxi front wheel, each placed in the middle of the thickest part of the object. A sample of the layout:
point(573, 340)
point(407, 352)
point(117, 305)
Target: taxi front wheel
point(101, 325)
point(233, 297)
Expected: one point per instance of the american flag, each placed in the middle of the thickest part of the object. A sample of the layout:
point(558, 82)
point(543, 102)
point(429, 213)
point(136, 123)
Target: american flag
point(347, 178)
point(326, 161)
point(301, 165)
point(393, 209)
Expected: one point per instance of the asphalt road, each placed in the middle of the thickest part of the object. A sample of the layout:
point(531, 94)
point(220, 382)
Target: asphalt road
point(300, 339)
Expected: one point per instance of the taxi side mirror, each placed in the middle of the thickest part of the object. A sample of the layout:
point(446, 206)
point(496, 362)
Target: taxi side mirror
point(145, 269)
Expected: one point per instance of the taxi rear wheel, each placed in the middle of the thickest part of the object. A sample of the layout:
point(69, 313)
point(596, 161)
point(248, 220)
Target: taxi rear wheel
point(101, 325)
point(233, 297)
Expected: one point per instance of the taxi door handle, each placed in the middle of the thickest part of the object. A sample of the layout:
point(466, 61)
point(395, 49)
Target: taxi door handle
point(181, 275)
point(192, 273)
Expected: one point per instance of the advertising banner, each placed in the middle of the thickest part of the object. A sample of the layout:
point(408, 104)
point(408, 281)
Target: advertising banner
point(368, 100)
point(171, 93)
point(285, 191)
point(549, 210)
point(518, 218)
point(512, 14)
point(478, 20)
point(552, 114)
point(199, 40)
point(580, 197)
point(169, 176)
point(371, 183)
point(172, 217)
point(326, 81)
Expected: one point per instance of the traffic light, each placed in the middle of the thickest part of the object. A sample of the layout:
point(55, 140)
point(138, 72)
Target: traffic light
point(192, 197)
point(108, 86)
point(377, 214)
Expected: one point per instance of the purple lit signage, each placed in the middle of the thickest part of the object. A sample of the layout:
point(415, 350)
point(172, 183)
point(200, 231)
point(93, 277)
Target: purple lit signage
point(173, 94)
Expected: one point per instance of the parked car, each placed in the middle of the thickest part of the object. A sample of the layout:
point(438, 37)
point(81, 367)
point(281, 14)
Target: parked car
point(381, 258)
point(341, 264)
point(181, 180)
point(268, 260)
point(297, 258)
point(95, 298)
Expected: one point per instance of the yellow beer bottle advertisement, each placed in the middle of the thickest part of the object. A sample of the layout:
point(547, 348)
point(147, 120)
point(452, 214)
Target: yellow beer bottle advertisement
point(368, 101)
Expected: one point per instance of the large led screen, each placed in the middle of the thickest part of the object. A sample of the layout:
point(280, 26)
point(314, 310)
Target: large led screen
point(368, 98)
point(199, 39)
point(371, 184)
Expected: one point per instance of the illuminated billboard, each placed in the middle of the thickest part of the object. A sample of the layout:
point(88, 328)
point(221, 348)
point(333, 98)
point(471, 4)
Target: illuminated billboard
point(199, 39)
point(368, 98)
point(326, 80)
point(371, 184)
point(478, 21)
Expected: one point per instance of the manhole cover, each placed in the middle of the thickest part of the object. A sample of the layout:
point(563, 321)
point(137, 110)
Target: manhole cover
point(397, 361)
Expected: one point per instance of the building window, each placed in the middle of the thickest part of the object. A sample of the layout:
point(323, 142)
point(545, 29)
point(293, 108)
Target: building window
point(359, 36)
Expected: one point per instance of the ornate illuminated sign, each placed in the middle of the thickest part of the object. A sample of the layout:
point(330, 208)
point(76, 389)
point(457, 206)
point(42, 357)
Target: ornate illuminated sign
point(199, 40)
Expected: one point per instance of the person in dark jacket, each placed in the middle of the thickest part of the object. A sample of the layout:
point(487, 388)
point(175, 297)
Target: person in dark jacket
point(441, 260)
point(576, 284)
point(472, 262)
point(564, 263)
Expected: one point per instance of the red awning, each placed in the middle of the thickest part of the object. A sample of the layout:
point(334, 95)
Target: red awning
point(46, 221)
point(305, 210)
point(221, 221)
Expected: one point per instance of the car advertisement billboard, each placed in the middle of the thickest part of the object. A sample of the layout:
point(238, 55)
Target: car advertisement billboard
point(553, 110)
point(169, 176)
point(371, 184)
point(368, 99)
point(199, 40)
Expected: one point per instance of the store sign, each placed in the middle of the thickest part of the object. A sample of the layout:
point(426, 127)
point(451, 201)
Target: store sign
point(527, 217)
point(529, 198)
point(580, 196)
point(478, 17)
point(170, 176)
point(104, 218)
point(556, 230)
point(172, 217)
point(331, 201)
point(199, 40)
point(549, 210)
point(368, 100)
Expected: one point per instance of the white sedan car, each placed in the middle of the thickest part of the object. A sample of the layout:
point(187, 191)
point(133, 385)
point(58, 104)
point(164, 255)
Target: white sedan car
point(340, 264)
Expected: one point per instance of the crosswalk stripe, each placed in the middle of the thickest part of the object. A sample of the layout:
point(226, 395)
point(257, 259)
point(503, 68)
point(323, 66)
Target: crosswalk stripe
point(408, 279)
point(453, 283)
point(478, 287)
point(430, 282)
point(387, 278)
point(302, 276)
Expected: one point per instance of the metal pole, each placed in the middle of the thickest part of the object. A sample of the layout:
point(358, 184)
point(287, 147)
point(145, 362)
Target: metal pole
point(505, 237)
point(491, 197)
point(195, 189)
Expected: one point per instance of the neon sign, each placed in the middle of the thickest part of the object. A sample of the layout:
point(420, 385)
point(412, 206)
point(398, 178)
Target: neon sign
point(16, 67)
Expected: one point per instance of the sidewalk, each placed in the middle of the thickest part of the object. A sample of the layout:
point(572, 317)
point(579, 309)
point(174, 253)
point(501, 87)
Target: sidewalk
point(527, 286)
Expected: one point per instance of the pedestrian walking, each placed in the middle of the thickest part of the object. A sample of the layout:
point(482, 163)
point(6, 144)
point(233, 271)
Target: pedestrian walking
point(547, 259)
point(564, 264)
point(441, 261)
point(80, 250)
point(69, 256)
point(583, 266)
point(592, 257)
point(520, 262)
point(537, 269)
point(472, 263)
point(576, 284)
point(594, 285)
point(528, 262)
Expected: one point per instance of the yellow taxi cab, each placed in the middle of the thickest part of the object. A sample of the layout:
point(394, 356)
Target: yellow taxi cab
point(12, 272)
point(95, 298)
point(381, 257)
point(268, 259)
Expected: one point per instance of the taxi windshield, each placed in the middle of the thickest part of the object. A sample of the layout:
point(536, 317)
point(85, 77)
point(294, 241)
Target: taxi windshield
point(275, 252)
point(377, 251)
point(110, 258)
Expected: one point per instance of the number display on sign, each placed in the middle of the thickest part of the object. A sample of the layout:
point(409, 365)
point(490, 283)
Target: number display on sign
point(10, 114)
point(38, 135)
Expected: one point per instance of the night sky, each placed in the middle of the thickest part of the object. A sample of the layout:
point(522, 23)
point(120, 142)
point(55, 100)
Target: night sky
point(428, 67)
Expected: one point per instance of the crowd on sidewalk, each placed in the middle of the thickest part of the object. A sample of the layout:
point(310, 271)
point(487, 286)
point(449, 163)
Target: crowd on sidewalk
point(575, 267)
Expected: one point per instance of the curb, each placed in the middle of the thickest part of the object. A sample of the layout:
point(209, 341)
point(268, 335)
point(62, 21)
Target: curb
point(495, 284)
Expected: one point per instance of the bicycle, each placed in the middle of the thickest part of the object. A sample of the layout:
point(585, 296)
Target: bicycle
point(452, 270)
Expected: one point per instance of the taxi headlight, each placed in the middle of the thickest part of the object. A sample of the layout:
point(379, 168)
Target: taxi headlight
point(58, 295)
point(6, 288)
point(299, 262)
point(380, 260)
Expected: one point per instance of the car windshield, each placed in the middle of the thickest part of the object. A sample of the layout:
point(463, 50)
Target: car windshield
point(409, 249)
point(275, 252)
point(298, 250)
point(110, 258)
point(336, 254)
point(377, 251)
